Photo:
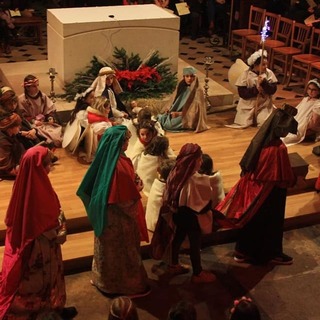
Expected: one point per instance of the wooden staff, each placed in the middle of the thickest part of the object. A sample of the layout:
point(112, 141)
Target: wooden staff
point(264, 35)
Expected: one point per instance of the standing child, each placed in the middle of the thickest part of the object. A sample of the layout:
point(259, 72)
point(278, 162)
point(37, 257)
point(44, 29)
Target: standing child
point(146, 132)
point(155, 152)
point(143, 115)
point(186, 195)
point(217, 192)
point(32, 279)
point(308, 116)
point(257, 202)
point(154, 202)
point(215, 179)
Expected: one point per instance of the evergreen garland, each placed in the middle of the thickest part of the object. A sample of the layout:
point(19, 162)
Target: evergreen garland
point(150, 78)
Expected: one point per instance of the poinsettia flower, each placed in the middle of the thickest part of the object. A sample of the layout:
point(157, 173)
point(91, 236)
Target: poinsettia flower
point(131, 79)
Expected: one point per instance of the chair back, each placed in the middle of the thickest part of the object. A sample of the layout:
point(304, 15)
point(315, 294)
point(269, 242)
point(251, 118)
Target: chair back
point(284, 31)
point(315, 41)
point(300, 36)
point(256, 18)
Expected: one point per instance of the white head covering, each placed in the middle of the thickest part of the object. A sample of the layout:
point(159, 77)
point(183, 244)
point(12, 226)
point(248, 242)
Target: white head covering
point(315, 82)
point(99, 84)
point(255, 56)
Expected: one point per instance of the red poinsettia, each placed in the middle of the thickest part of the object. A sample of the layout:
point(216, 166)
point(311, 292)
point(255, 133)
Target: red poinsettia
point(131, 80)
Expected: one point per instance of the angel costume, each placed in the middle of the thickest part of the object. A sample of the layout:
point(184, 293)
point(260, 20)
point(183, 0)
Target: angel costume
point(254, 107)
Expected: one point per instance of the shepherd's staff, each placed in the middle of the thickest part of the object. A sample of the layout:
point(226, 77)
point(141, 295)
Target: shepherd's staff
point(264, 36)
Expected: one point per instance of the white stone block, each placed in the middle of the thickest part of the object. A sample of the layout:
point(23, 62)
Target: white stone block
point(75, 35)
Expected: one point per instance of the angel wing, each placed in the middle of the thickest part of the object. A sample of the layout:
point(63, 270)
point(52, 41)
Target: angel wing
point(235, 70)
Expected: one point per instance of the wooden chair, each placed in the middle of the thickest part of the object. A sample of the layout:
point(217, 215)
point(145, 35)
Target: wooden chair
point(256, 18)
point(281, 56)
point(34, 22)
point(252, 42)
point(313, 72)
point(300, 63)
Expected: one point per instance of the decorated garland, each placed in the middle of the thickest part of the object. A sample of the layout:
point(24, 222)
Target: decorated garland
point(150, 78)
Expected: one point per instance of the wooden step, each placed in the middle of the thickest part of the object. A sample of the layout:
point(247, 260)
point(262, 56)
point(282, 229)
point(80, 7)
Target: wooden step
point(226, 146)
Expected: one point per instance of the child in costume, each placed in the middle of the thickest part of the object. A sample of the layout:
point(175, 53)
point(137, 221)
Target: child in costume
point(142, 115)
point(186, 195)
point(146, 131)
point(97, 115)
point(78, 120)
point(155, 152)
point(11, 150)
point(188, 110)
point(308, 116)
point(255, 87)
point(33, 103)
point(107, 85)
point(215, 177)
point(256, 204)
point(154, 202)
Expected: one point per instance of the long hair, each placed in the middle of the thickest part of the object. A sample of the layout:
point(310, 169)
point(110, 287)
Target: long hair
point(158, 147)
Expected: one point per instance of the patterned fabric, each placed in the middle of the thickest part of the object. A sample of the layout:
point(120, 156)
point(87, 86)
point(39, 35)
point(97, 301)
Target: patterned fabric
point(117, 266)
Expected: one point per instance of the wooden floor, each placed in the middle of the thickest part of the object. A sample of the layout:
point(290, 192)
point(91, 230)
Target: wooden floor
point(225, 145)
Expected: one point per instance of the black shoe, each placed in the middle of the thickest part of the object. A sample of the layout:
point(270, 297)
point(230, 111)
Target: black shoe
point(54, 159)
point(68, 313)
point(283, 259)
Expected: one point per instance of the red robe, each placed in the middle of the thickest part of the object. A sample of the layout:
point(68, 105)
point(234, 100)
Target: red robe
point(246, 197)
point(123, 189)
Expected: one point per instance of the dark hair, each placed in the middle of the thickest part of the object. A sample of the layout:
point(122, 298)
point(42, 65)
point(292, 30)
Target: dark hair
point(147, 124)
point(144, 114)
point(165, 167)
point(183, 310)
point(207, 165)
point(245, 310)
point(123, 308)
point(158, 147)
point(81, 104)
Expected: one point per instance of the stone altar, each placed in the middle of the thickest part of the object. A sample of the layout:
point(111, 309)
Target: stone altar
point(75, 35)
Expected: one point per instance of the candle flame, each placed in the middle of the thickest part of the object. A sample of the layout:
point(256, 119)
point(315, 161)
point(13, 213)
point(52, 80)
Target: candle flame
point(264, 32)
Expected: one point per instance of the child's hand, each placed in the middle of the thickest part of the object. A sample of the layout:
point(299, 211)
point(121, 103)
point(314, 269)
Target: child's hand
point(175, 114)
point(38, 123)
point(31, 134)
point(139, 183)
